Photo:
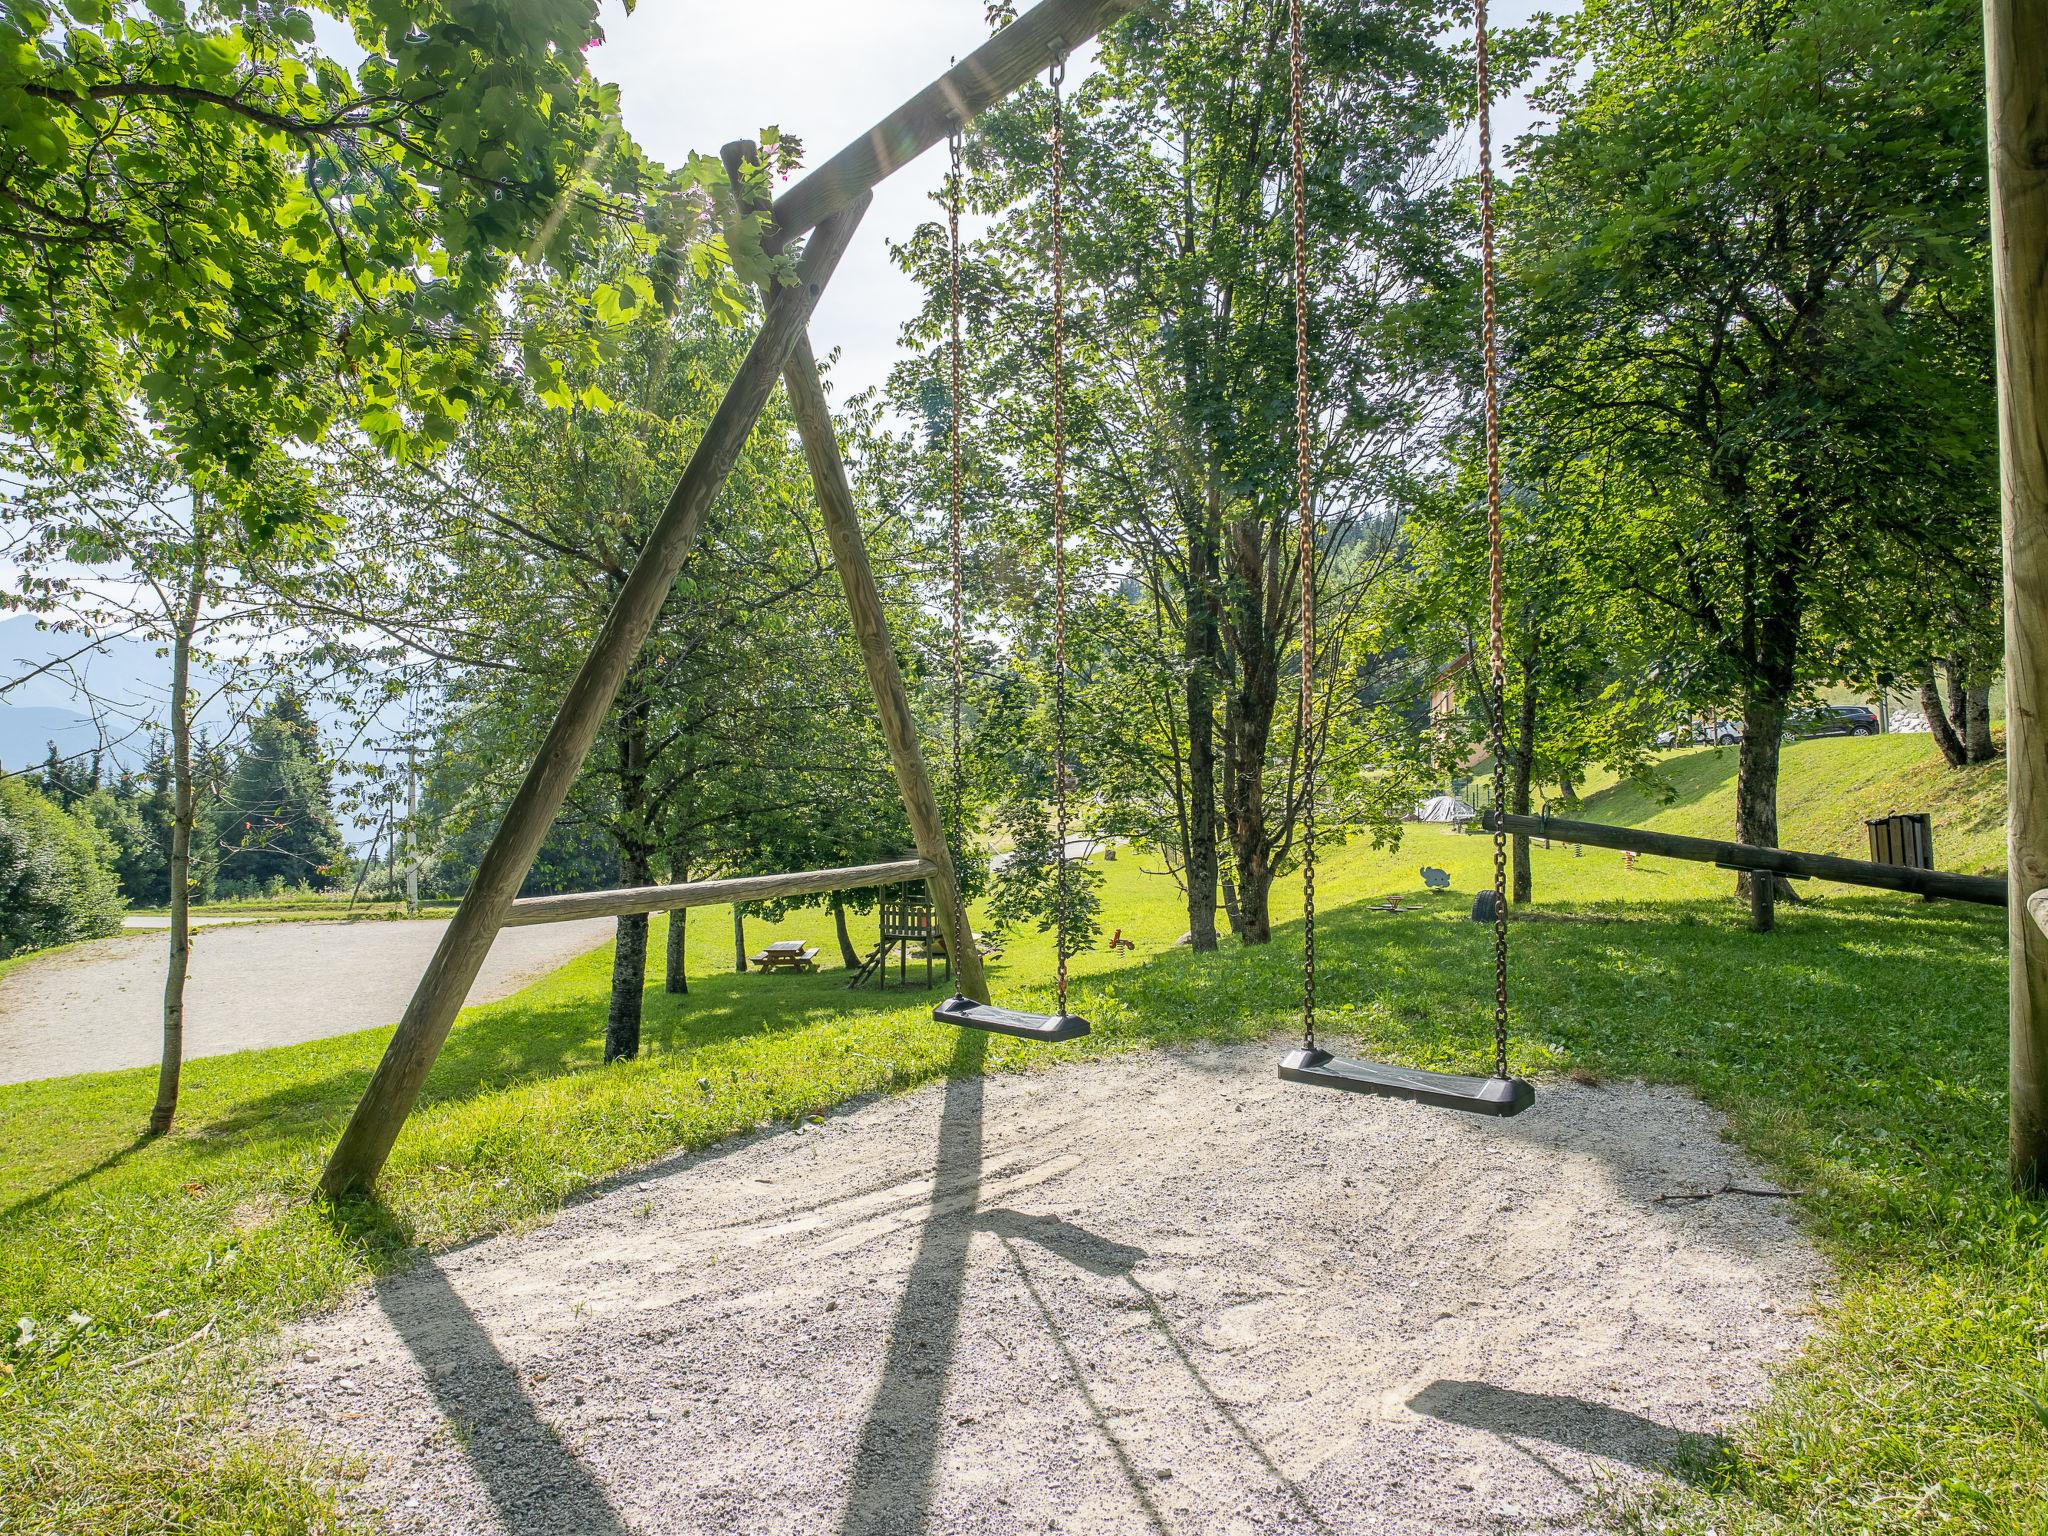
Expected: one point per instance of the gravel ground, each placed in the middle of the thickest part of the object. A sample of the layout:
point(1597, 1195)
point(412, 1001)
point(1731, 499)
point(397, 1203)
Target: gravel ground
point(1161, 1293)
point(99, 1006)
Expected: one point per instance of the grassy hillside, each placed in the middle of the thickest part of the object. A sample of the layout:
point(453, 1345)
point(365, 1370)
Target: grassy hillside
point(1825, 790)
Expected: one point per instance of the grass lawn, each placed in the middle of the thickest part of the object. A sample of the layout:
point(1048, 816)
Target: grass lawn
point(1858, 1051)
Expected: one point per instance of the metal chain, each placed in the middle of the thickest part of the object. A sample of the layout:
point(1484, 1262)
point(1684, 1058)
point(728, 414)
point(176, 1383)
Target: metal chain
point(954, 144)
point(1305, 708)
point(1496, 583)
point(1057, 77)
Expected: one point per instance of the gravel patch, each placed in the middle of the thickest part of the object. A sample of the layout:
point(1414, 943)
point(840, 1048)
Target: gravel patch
point(1160, 1293)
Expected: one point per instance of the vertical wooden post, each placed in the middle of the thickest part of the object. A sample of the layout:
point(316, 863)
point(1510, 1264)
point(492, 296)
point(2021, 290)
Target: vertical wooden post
point(2016, 77)
point(371, 1130)
point(871, 625)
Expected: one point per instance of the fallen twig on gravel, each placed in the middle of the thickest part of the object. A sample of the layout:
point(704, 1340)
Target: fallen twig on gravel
point(1728, 1189)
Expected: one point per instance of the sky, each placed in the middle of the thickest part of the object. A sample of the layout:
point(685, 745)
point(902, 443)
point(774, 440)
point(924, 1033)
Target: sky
point(695, 76)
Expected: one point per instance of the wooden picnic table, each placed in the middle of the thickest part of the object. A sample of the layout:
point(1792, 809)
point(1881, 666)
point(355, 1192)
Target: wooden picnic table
point(786, 955)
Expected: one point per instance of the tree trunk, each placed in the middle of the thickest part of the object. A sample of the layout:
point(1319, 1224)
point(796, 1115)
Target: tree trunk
point(629, 980)
point(1936, 714)
point(739, 939)
point(848, 957)
point(172, 1065)
point(1247, 731)
point(676, 958)
point(1956, 710)
point(1232, 911)
point(1521, 770)
point(1199, 651)
point(1756, 799)
point(1978, 746)
point(676, 968)
point(636, 858)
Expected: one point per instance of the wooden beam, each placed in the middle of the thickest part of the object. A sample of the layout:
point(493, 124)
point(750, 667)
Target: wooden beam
point(995, 69)
point(366, 1141)
point(712, 893)
point(871, 626)
point(2037, 908)
point(2016, 90)
point(1989, 890)
point(878, 654)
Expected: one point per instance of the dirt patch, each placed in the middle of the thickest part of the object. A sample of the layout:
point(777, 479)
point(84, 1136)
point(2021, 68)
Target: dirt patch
point(1164, 1293)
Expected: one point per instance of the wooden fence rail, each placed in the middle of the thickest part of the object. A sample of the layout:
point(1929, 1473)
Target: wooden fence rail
point(713, 893)
point(1990, 890)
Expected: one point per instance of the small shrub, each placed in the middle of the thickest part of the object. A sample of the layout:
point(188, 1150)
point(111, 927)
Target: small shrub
point(57, 881)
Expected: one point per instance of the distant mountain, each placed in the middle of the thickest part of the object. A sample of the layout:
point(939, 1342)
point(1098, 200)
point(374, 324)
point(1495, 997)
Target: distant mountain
point(126, 672)
point(26, 734)
point(127, 675)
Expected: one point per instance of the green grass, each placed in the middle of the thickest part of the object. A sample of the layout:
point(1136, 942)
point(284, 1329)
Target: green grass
point(1858, 1051)
point(1827, 788)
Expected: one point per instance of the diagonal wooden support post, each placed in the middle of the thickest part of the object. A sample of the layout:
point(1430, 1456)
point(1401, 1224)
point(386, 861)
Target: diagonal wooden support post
point(870, 621)
point(878, 653)
point(366, 1141)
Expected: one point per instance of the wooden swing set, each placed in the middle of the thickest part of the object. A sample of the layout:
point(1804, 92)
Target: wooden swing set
point(826, 205)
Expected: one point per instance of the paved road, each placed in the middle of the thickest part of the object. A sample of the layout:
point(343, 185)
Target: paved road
point(100, 1005)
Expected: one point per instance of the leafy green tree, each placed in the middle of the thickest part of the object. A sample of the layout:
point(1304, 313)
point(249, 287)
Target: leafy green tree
point(1748, 298)
point(499, 565)
point(139, 850)
point(276, 815)
point(207, 213)
point(121, 548)
point(1578, 693)
point(1182, 350)
point(57, 882)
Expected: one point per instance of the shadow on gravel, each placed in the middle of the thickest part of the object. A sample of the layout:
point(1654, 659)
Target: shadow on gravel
point(899, 1442)
point(535, 1481)
point(1575, 1424)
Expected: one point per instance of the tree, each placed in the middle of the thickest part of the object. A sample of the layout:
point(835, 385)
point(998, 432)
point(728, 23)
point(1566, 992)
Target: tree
point(502, 563)
point(121, 549)
point(1183, 362)
point(1748, 302)
point(57, 883)
point(277, 811)
point(206, 214)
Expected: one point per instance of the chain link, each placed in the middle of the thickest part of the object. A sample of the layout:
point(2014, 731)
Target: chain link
point(1057, 77)
point(1495, 576)
point(963, 936)
point(1306, 552)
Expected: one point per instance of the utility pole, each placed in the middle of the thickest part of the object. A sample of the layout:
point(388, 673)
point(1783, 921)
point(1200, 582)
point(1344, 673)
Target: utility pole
point(412, 838)
point(2016, 81)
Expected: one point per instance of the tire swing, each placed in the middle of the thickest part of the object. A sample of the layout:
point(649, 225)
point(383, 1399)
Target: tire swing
point(1499, 1094)
point(958, 1010)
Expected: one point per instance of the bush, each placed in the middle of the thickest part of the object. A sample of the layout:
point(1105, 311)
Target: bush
point(57, 881)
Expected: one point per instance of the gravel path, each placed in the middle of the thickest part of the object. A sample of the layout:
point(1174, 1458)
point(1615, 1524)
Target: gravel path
point(1161, 1293)
point(100, 1005)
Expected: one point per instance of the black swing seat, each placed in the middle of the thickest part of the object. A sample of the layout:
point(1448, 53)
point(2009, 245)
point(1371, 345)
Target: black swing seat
point(965, 1013)
point(1445, 1090)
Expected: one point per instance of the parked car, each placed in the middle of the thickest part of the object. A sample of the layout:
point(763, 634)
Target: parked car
point(1705, 733)
point(1834, 720)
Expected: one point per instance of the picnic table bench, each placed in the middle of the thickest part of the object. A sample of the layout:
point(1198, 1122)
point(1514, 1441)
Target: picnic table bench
point(788, 955)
